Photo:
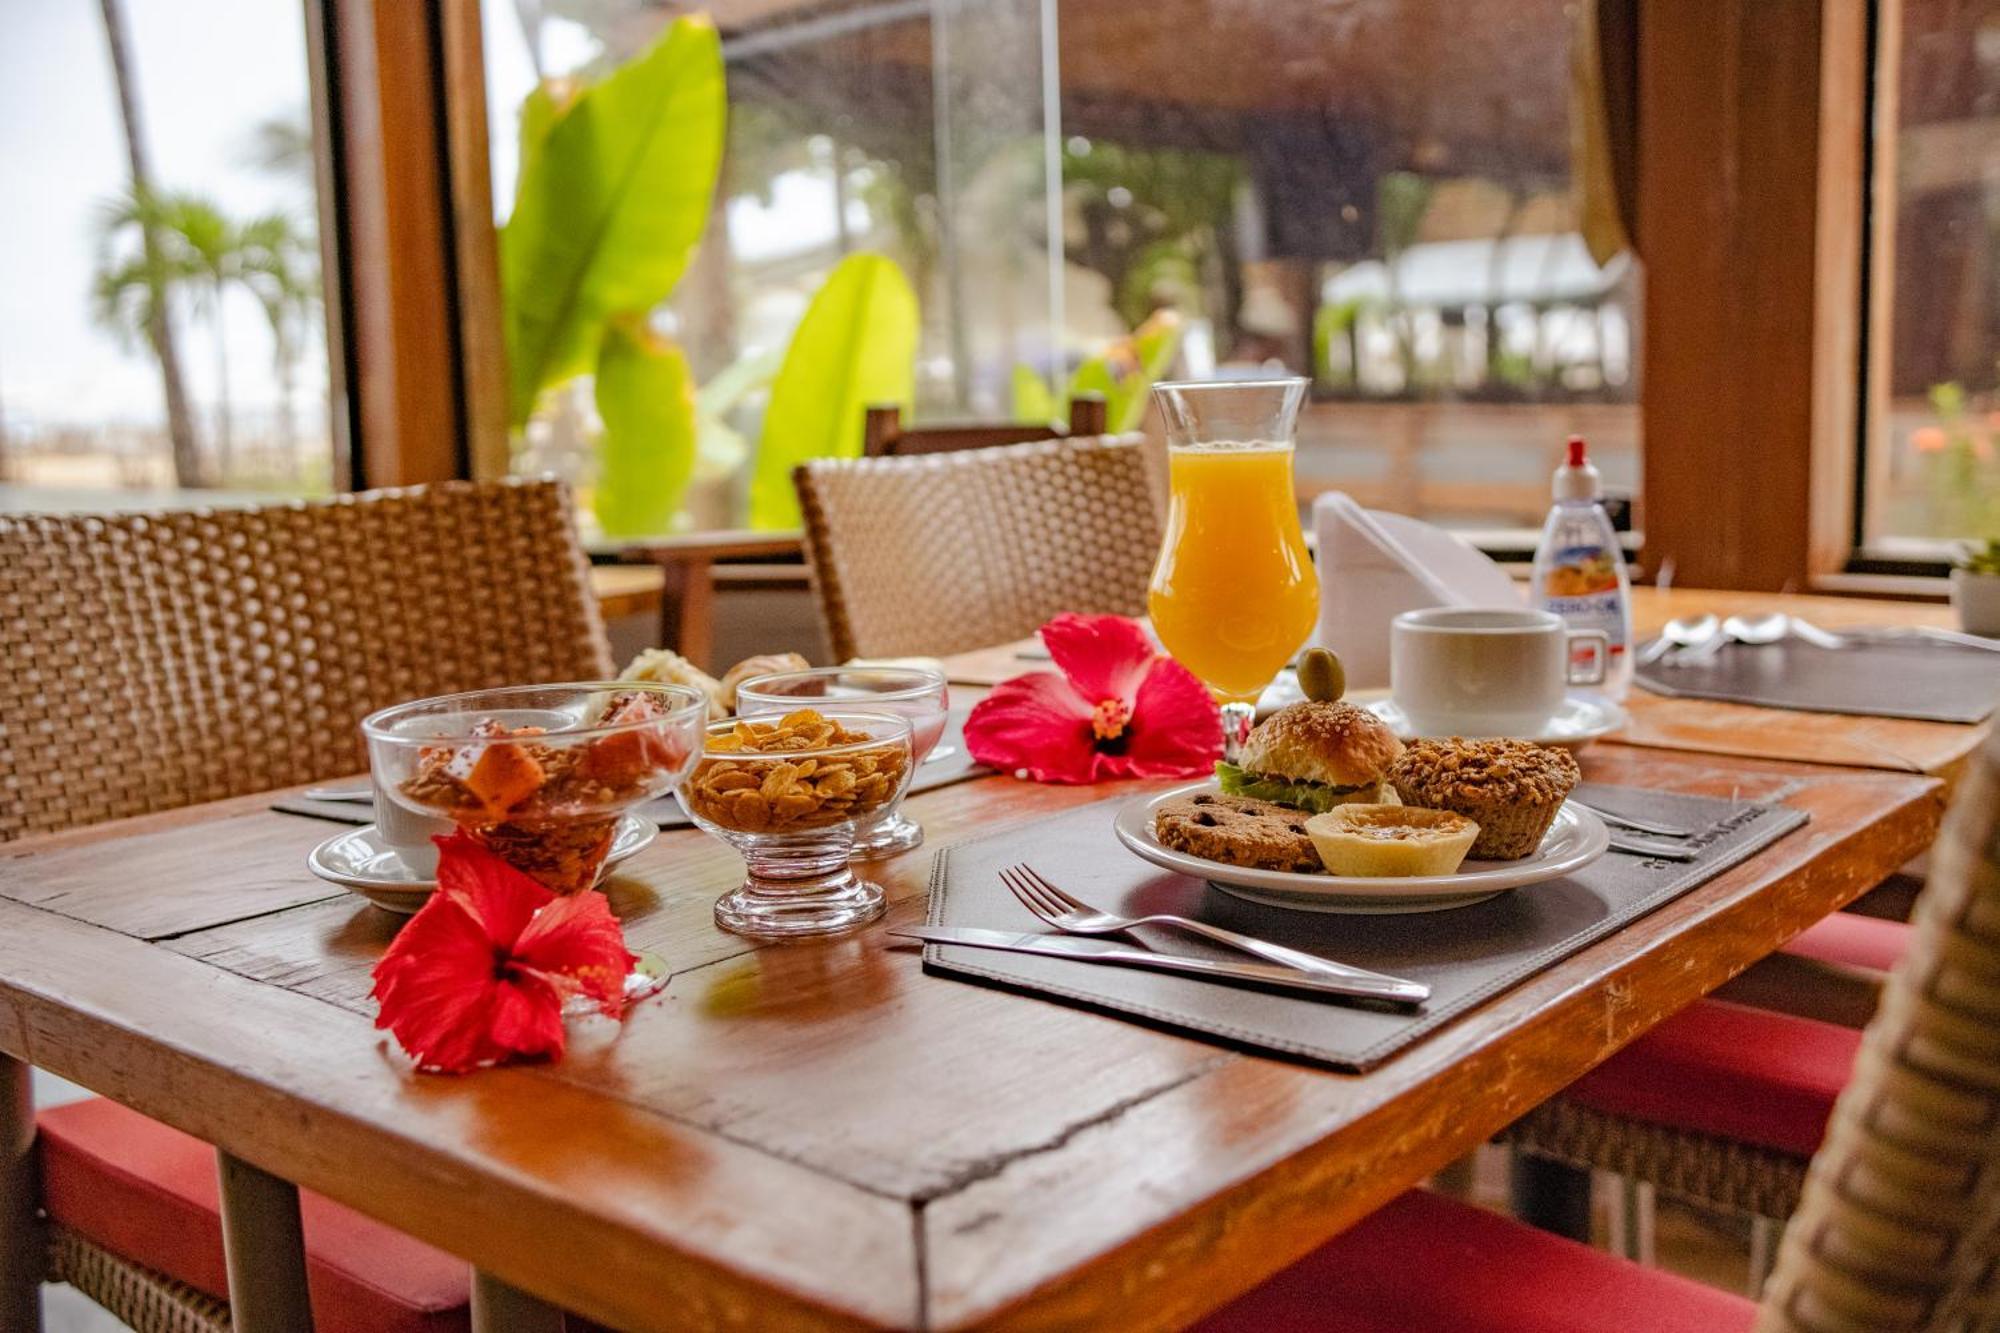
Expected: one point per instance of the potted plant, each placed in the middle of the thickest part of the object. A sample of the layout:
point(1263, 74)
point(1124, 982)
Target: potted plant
point(1975, 588)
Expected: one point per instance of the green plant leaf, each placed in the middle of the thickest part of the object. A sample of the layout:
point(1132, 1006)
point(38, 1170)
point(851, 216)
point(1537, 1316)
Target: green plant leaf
point(645, 395)
point(855, 349)
point(610, 207)
point(548, 102)
point(1033, 399)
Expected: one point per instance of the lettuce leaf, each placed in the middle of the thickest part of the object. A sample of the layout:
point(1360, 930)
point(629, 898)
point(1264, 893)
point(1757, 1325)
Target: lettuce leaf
point(1318, 797)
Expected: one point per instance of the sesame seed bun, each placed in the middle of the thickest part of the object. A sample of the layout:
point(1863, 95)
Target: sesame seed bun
point(1338, 744)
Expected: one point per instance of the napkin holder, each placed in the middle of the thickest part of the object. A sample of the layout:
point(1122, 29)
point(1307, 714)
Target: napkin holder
point(1373, 566)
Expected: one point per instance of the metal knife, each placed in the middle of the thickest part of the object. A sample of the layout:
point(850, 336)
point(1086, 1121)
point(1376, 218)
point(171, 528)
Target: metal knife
point(1086, 950)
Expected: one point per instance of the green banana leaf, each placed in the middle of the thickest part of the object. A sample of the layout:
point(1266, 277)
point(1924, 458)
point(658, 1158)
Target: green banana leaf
point(547, 103)
point(610, 206)
point(855, 349)
point(1033, 399)
point(1155, 344)
point(645, 395)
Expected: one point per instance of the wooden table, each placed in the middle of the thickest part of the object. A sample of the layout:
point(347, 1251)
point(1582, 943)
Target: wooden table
point(1702, 725)
point(819, 1135)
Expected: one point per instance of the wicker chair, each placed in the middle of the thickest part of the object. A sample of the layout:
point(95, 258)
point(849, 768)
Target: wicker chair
point(1898, 1224)
point(159, 660)
point(949, 552)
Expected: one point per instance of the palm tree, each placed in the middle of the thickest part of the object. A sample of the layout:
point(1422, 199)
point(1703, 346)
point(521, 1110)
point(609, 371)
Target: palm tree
point(210, 251)
point(185, 245)
point(278, 265)
point(158, 325)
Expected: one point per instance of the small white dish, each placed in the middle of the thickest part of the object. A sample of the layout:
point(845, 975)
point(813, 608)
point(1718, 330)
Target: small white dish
point(1581, 719)
point(1576, 839)
point(359, 861)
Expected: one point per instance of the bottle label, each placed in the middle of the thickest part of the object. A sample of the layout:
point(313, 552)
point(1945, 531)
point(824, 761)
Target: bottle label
point(1582, 587)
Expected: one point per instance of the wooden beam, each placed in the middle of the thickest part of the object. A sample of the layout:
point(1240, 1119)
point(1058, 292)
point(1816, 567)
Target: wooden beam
point(398, 268)
point(1745, 178)
point(476, 251)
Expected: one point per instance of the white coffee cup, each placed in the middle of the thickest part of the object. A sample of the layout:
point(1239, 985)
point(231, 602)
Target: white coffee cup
point(1463, 671)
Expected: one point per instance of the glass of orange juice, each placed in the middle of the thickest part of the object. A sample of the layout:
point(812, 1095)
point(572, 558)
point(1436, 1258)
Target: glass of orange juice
point(1234, 594)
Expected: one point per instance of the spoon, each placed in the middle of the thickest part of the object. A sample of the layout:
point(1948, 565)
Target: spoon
point(1681, 632)
point(1756, 631)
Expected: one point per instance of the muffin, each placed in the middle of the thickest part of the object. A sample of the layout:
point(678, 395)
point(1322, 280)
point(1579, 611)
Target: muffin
point(1511, 789)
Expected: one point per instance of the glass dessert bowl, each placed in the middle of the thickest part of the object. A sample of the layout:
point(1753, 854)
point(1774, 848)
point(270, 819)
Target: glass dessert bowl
point(540, 775)
point(916, 693)
point(788, 791)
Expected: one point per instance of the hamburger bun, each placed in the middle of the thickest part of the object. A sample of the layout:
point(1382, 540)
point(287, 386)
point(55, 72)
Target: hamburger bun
point(1335, 744)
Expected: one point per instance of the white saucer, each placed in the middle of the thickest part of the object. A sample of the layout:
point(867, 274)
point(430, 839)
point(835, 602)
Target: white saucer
point(1575, 840)
point(359, 861)
point(1582, 719)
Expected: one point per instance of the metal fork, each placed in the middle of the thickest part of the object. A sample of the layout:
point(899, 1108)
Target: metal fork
point(1076, 917)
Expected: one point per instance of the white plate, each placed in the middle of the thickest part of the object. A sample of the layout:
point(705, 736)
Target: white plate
point(1575, 840)
point(360, 861)
point(1582, 719)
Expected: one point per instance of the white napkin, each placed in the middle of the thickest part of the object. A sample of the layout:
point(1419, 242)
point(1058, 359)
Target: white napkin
point(1373, 566)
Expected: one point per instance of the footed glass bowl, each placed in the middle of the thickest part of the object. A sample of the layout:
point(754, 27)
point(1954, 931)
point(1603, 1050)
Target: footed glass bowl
point(788, 791)
point(538, 774)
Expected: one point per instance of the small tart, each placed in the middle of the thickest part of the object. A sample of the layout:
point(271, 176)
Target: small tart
point(1379, 841)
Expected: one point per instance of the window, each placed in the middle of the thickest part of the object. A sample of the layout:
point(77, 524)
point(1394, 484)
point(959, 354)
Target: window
point(1932, 462)
point(198, 287)
point(1364, 194)
point(1377, 195)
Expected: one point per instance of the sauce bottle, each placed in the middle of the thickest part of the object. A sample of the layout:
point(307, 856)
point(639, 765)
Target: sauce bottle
point(1580, 571)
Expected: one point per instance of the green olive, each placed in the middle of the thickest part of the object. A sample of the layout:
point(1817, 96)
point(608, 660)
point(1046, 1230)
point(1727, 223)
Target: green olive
point(1320, 676)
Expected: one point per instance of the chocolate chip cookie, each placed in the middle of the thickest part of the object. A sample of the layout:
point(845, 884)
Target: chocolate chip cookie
point(1239, 831)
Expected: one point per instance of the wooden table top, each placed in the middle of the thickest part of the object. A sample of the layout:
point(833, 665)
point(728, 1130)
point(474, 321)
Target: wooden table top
point(1704, 726)
point(819, 1135)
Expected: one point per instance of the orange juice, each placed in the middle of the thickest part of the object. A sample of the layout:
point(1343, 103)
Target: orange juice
point(1234, 593)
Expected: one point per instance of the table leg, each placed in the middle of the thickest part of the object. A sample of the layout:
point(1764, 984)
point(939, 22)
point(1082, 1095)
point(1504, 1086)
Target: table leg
point(500, 1308)
point(687, 609)
point(264, 1247)
point(22, 1247)
point(1551, 1195)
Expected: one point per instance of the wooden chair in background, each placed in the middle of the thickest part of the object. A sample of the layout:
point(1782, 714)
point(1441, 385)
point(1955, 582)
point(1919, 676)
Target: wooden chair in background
point(885, 436)
point(942, 553)
point(160, 660)
point(700, 565)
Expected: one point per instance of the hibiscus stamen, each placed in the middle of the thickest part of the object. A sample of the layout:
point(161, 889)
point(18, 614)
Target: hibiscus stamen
point(1109, 718)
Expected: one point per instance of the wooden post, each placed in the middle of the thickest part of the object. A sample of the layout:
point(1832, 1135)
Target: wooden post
point(264, 1246)
point(500, 1308)
point(21, 1243)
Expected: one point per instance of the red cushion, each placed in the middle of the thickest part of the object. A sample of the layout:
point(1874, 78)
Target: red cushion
point(1858, 941)
point(1428, 1264)
point(148, 1193)
point(1732, 1071)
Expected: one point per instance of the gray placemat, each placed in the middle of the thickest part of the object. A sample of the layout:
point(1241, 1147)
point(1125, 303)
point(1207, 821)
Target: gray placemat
point(1467, 955)
point(1909, 678)
point(958, 766)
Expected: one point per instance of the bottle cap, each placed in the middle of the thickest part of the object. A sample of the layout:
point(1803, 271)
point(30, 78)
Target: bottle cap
point(1576, 479)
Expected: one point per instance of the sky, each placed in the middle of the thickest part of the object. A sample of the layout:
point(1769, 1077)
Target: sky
point(208, 70)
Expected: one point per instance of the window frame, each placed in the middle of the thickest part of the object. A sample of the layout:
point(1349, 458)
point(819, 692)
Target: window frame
point(1755, 169)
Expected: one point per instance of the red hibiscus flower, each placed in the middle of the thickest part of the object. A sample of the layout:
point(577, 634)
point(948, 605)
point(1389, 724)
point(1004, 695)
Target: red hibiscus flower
point(480, 974)
point(1119, 709)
